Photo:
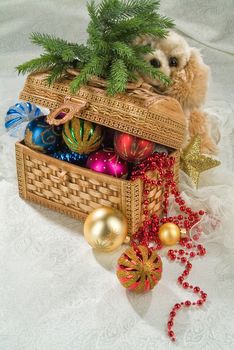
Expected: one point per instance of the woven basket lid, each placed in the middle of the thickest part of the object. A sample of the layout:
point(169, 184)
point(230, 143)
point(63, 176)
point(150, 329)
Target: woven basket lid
point(140, 111)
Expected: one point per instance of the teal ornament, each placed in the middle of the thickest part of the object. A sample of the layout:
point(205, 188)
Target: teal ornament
point(18, 116)
point(41, 136)
point(71, 157)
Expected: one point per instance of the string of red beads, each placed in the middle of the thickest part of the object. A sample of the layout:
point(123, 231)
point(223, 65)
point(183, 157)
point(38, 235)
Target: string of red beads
point(148, 232)
point(184, 256)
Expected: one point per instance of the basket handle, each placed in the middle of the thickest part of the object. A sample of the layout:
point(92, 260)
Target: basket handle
point(66, 111)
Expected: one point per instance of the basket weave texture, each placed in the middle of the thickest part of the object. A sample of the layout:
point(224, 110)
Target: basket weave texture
point(76, 191)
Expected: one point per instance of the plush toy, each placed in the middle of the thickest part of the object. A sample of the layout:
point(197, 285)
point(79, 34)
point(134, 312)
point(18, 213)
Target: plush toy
point(189, 74)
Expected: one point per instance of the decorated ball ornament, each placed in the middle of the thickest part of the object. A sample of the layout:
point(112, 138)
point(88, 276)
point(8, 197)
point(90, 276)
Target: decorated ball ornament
point(82, 136)
point(18, 115)
point(106, 161)
point(139, 269)
point(169, 234)
point(105, 229)
point(41, 136)
point(67, 155)
point(132, 148)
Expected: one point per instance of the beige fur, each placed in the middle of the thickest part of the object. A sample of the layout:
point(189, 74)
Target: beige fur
point(190, 82)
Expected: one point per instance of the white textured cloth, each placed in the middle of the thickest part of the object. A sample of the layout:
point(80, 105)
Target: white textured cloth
point(55, 292)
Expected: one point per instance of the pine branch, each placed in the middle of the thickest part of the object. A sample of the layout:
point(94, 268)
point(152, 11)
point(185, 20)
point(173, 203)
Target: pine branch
point(45, 61)
point(122, 50)
point(56, 73)
point(94, 67)
point(118, 78)
point(110, 52)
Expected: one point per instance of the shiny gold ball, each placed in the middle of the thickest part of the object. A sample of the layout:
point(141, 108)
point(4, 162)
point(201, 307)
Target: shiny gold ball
point(169, 234)
point(105, 229)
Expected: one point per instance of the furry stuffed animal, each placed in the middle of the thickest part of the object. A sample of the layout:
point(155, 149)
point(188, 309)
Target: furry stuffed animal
point(189, 74)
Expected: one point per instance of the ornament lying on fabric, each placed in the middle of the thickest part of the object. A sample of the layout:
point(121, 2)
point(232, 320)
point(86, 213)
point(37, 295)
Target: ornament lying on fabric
point(105, 229)
point(106, 161)
point(18, 115)
point(169, 234)
point(193, 163)
point(71, 157)
point(139, 268)
point(41, 136)
point(132, 148)
point(82, 136)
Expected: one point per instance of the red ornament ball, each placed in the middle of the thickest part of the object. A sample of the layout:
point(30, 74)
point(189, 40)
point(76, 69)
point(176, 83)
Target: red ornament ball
point(139, 269)
point(132, 148)
point(106, 161)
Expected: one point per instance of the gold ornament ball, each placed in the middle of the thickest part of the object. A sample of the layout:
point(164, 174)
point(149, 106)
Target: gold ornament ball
point(169, 234)
point(105, 229)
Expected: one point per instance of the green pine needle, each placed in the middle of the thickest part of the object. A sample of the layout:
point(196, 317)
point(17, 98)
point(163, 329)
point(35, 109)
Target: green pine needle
point(118, 78)
point(110, 52)
point(45, 61)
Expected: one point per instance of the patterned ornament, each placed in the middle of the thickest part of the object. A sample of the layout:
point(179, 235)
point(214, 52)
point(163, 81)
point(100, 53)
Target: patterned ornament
point(71, 157)
point(106, 161)
point(193, 163)
point(169, 234)
point(139, 268)
point(131, 148)
point(41, 136)
point(82, 136)
point(18, 116)
point(105, 229)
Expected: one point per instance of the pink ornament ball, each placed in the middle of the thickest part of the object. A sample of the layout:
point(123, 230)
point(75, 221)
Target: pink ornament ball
point(106, 161)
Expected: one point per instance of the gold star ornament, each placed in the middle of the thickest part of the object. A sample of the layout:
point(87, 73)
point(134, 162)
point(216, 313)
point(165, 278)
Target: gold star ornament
point(193, 163)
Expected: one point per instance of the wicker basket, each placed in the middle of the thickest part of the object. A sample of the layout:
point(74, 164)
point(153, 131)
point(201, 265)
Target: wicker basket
point(75, 190)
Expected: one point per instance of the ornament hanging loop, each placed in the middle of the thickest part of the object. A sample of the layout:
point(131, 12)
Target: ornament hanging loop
point(66, 111)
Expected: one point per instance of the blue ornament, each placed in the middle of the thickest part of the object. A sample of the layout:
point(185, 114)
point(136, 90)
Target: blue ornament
point(41, 136)
point(71, 157)
point(18, 116)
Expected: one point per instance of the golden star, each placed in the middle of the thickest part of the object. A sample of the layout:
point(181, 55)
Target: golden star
point(193, 163)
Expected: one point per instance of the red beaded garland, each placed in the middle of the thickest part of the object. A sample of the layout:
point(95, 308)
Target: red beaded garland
point(148, 232)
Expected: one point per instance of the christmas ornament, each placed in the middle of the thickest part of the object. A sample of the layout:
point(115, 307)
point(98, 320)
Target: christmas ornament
point(160, 149)
point(139, 269)
point(105, 229)
point(193, 163)
point(71, 157)
point(106, 161)
point(18, 115)
point(131, 148)
point(82, 136)
point(41, 136)
point(169, 234)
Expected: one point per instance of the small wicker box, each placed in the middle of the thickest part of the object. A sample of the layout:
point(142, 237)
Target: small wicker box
point(75, 190)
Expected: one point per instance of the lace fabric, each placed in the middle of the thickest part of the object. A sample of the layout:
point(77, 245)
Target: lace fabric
point(55, 292)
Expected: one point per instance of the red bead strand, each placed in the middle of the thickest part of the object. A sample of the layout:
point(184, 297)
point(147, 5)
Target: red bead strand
point(174, 254)
point(148, 232)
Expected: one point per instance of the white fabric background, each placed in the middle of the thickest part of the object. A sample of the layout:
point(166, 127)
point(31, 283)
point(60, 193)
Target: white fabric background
point(55, 292)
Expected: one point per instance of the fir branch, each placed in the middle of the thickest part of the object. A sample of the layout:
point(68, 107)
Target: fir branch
point(45, 61)
point(110, 52)
point(56, 73)
point(118, 78)
point(94, 67)
point(60, 48)
point(122, 50)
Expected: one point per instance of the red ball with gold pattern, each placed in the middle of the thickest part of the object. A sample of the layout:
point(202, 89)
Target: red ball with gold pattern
point(132, 148)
